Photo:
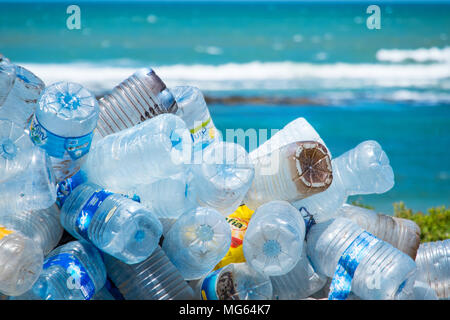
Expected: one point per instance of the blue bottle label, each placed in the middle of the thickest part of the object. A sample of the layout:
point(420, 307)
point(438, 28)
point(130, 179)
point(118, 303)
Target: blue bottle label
point(79, 278)
point(341, 284)
point(65, 187)
point(56, 146)
point(88, 211)
point(209, 285)
point(203, 135)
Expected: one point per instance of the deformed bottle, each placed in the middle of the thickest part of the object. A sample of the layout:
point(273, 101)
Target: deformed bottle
point(7, 77)
point(63, 126)
point(274, 238)
point(156, 278)
point(294, 171)
point(115, 224)
point(403, 234)
point(433, 266)
point(140, 97)
point(364, 169)
point(358, 262)
point(235, 281)
point(73, 271)
point(197, 241)
point(155, 149)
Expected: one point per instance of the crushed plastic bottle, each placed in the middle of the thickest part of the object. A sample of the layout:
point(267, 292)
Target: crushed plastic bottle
point(197, 241)
point(274, 238)
point(364, 169)
point(140, 97)
point(7, 77)
point(115, 224)
point(63, 126)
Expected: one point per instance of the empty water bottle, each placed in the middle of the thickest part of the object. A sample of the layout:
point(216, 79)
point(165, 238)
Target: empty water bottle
point(20, 261)
point(420, 291)
point(22, 100)
point(292, 172)
point(223, 178)
point(358, 261)
point(115, 224)
point(401, 233)
point(235, 281)
point(32, 189)
point(433, 266)
point(145, 153)
point(16, 149)
point(299, 283)
point(197, 241)
point(364, 169)
point(153, 279)
point(141, 96)
point(73, 271)
point(7, 77)
point(63, 125)
point(193, 110)
point(274, 238)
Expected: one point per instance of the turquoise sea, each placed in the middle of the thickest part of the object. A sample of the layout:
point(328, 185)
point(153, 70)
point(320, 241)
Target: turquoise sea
point(390, 84)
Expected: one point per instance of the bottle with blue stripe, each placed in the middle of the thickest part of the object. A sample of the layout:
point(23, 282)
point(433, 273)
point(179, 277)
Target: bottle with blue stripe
point(63, 125)
point(274, 238)
point(74, 271)
point(197, 241)
point(115, 224)
point(359, 262)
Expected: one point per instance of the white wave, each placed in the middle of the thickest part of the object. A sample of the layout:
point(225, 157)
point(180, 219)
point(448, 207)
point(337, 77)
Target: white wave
point(257, 75)
point(421, 55)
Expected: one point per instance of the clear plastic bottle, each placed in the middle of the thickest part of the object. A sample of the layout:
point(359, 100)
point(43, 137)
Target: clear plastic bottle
point(7, 78)
point(153, 279)
point(115, 224)
point(63, 125)
point(22, 100)
point(299, 283)
point(223, 178)
point(73, 271)
point(42, 226)
point(421, 291)
point(193, 110)
point(20, 261)
point(32, 189)
point(197, 241)
point(364, 169)
point(433, 266)
point(274, 238)
point(155, 149)
point(292, 172)
point(401, 233)
point(16, 149)
point(357, 261)
point(140, 97)
point(235, 281)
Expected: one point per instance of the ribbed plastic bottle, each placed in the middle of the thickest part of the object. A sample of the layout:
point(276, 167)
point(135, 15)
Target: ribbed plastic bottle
point(7, 77)
point(358, 262)
point(274, 238)
point(22, 100)
point(433, 266)
point(16, 149)
point(403, 234)
point(235, 281)
point(42, 226)
point(292, 172)
point(223, 178)
point(153, 279)
point(152, 150)
point(299, 283)
point(197, 241)
point(20, 261)
point(193, 110)
point(364, 169)
point(63, 126)
point(32, 189)
point(140, 97)
point(115, 224)
point(421, 291)
point(73, 271)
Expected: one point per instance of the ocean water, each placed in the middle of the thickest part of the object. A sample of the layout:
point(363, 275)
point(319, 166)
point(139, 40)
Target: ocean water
point(391, 85)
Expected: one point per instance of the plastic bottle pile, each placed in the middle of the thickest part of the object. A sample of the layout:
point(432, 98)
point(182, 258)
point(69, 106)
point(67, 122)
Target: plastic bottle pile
point(136, 196)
